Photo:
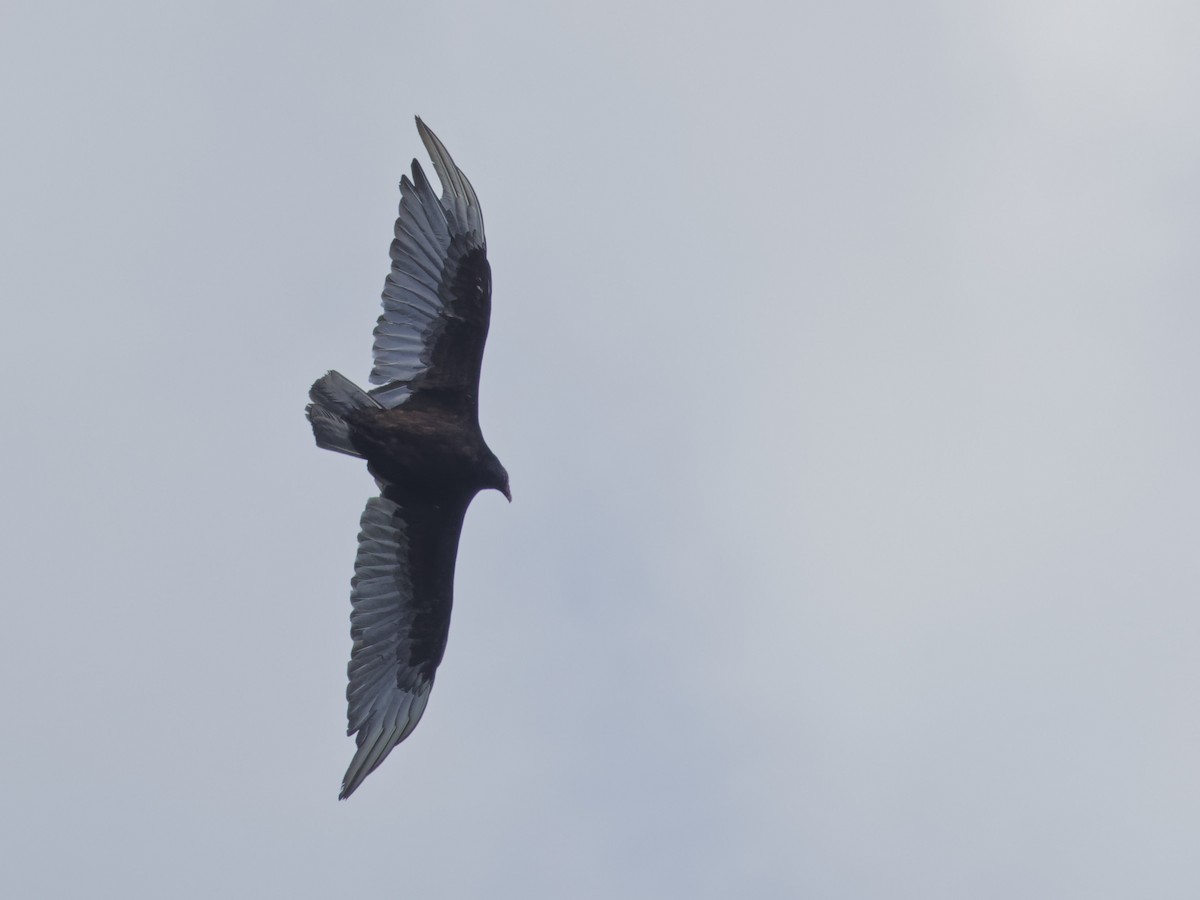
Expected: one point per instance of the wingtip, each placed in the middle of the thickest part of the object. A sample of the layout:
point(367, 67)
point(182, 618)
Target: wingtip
point(423, 129)
point(457, 194)
point(433, 145)
point(429, 139)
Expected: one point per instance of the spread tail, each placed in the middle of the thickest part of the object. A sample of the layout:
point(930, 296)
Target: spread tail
point(335, 396)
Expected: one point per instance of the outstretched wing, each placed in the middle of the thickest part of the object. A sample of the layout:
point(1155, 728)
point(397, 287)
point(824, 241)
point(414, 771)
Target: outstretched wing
point(437, 298)
point(402, 591)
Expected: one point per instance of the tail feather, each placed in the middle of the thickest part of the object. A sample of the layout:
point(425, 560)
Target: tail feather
point(335, 396)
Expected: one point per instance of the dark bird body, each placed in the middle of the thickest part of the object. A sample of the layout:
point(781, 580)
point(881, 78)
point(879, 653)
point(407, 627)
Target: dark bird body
point(419, 433)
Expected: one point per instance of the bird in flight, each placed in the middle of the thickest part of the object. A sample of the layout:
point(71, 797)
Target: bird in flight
point(419, 433)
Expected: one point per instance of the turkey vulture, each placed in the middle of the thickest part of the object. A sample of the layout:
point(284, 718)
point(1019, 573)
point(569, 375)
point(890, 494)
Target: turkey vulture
point(419, 433)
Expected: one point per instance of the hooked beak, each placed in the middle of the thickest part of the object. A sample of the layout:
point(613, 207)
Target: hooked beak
point(507, 492)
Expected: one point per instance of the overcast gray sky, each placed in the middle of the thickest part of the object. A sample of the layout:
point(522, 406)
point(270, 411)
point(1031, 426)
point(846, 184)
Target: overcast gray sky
point(844, 360)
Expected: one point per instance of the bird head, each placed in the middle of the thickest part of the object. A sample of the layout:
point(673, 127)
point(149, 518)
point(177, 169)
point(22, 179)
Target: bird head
point(497, 477)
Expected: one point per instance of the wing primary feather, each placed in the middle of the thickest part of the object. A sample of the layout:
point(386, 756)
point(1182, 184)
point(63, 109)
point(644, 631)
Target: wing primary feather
point(456, 188)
